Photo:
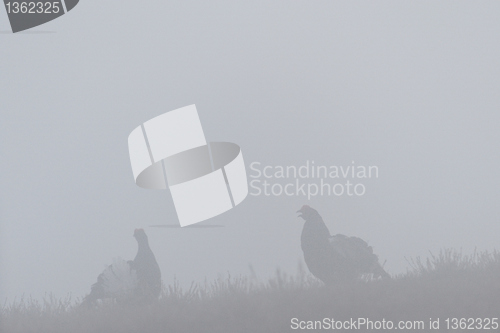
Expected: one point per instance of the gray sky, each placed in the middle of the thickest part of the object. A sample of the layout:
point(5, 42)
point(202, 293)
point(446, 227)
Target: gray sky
point(411, 87)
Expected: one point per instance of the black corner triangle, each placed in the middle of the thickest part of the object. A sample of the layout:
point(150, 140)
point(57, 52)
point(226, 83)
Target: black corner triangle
point(70, 4)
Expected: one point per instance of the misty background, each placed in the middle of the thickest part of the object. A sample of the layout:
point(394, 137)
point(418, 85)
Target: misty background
point(411, 87)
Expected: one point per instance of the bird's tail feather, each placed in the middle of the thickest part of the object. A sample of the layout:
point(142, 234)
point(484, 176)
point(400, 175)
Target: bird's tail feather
point(379, 271)
point(119, 279)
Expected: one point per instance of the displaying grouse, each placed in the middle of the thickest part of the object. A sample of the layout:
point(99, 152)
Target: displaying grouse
point(335, 258)
point(138, 279)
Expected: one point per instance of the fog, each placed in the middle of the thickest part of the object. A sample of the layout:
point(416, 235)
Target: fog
point(409, 87)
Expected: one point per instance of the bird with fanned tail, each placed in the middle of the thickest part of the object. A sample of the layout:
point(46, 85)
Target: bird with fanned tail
point(133, 280)
point(335, 258)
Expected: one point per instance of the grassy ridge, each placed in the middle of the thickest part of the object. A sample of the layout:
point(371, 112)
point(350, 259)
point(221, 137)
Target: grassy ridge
point(447, 285)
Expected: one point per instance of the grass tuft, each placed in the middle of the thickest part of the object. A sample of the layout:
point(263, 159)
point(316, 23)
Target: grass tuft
point(450, 284)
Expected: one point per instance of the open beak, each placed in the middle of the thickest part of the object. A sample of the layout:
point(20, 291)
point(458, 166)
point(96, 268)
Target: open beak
point(299, 211)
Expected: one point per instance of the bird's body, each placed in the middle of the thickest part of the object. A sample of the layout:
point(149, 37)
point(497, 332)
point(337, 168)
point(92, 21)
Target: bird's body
point(133, 280)
point(335, 258)
point(148, 271)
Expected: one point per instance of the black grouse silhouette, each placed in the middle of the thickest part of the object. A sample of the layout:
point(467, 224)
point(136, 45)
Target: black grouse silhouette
point(137, 280)
point(335, 258)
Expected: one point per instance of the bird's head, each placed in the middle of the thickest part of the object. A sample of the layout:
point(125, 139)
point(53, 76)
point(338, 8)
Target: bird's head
point(307, 212)
point(140, 235)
